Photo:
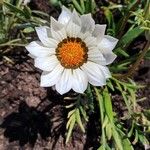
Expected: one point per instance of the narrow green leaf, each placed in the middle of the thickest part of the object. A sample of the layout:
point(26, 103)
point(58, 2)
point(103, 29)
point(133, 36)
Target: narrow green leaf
point(109, 131)
point(78, 119)
point(70, 113)
point(117, 139)
point(126, 143)
point(130, 36)
point(136, 137)
point(110, 85)
point(70, 120)
point(83, 112)
point(14, 9)
point(108, 105)
point(72, 123)
point(143, 139)
point(106, 121)
point(27, 12)
point(121, 52)
point(28, 30)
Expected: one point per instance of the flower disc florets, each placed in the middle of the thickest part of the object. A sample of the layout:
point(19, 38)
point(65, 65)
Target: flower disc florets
point(72, 53)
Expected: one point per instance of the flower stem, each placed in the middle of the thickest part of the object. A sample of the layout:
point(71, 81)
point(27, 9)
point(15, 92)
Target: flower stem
point(125, 20)
point(136, 64)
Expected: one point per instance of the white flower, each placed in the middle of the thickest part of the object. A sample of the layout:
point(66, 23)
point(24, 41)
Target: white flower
point(73, 52)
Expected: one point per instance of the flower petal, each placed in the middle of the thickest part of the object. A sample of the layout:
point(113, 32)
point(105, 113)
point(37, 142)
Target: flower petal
point(59, 35)
point(57, 30)
point(96, 56)
point(79, 80)
point(75, 18)
point(88, 24)
point(90, 41)
point(110, 57)
point(106, 71)
point(107, 44)
point(55, 25)
point(65, 82)
point(94, 73)
point(44, 34)
point(50, 79)
point(65, 15)
point(38, 50)
point(46, 63)
point(99, 31)
point(72, 29)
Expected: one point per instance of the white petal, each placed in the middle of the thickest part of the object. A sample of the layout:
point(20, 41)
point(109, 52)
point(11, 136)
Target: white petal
point(110, 57)
point(94, 73)
point(65, 83)
point(75, 18)
point(46, 63)
point(99, 31)
point(43, 34)
point(79, 80)
point(106, 71)
point(88, 24)
point(90, 41)
point(72, 29)
point(96, 56)
point(59, 35)
point(83, 36)
point(65, 15)
point(38, 50)
point(50, 79)
point(55, 25)
point(107, 44)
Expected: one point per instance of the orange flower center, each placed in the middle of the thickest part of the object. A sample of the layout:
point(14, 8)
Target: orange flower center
point(72, 53)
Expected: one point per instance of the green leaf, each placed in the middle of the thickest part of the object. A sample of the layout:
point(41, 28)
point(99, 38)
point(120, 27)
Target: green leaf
point(110, 85)
point(105, 122)
point(143, 139)
point(102, 147)
point(108, 15)
point(130, 36)
point(125, 141)
point(109, 131)
point(14, 9)
point(28, 30)
point(71, 113)
point(78, 119)
point(130, 133)
point(108, 105)
point(136, 137)
point(71, 126)
point(83, 112)
point(27, 12)
point(127, 144)
point(120, 51)
point(117, 139)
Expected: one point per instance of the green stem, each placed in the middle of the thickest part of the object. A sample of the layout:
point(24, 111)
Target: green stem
point(12, 43)
point(101, 108)
point(136, 64)
point(125, 20)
